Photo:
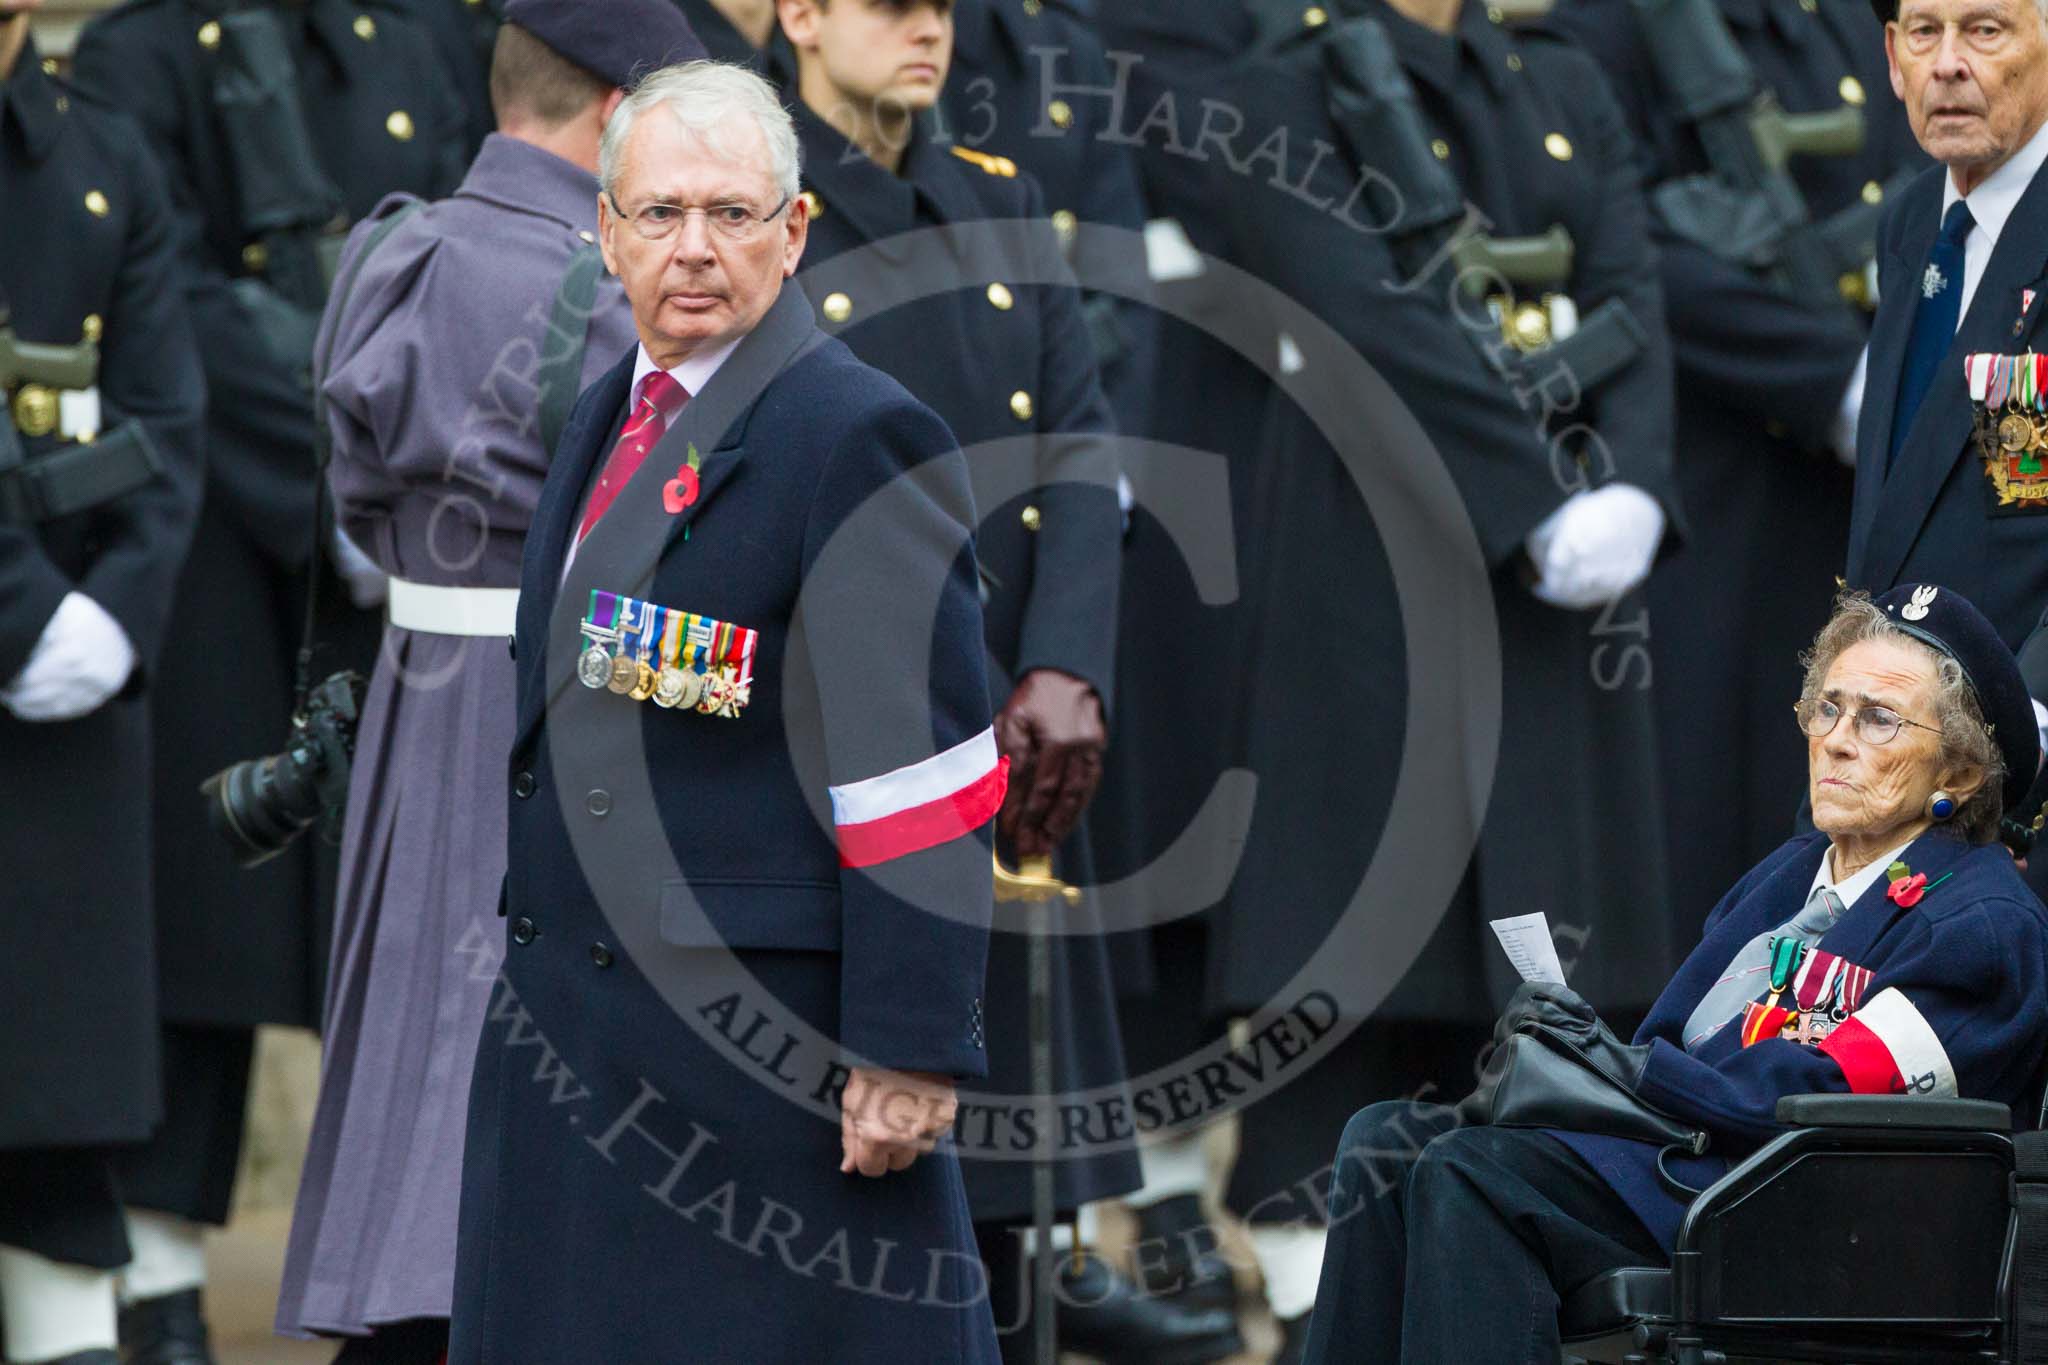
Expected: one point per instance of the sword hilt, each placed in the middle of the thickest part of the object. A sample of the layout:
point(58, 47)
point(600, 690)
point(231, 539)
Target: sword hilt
point(1032, 883)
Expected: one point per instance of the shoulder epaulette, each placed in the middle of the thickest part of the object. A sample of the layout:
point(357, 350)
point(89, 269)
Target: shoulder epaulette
point(994, 165)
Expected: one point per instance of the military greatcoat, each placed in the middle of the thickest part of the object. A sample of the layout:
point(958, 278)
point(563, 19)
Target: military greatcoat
point(239, 946)
point(1761, 377)
point(88, 251)
point(997, 359)
point(1525, 125)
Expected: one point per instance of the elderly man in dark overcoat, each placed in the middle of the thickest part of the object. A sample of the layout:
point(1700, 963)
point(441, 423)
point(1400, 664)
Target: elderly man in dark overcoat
point(99, 491)
point(276, 124)
point(750, 788)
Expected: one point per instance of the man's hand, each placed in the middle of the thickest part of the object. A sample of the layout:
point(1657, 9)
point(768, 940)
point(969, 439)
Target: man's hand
point(888, 1118)
point(1597, 546)
point(1053, 732)
point(81, 659)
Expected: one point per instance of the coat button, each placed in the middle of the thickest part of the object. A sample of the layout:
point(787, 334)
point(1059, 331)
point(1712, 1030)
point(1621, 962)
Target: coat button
point(93, 328)
point(399, 125)
point(96, 204)
point(1031, 518)
point(599, 802)
point(523, 785)
point(365, 28)
point(512, 648)
point(1061, 113)
point(1000, 298)
point(1020, 406)
point(1558, 145)
point(523, 931)
point(1315, 16)
point(836, 308)
point(209, 35)
point(1066, 225)
point(813, 205)
point(1851, 90)
point(600, 955)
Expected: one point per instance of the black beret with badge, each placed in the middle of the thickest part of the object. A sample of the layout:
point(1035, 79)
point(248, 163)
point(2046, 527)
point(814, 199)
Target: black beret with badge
point(1946, 620)
point(619, 41)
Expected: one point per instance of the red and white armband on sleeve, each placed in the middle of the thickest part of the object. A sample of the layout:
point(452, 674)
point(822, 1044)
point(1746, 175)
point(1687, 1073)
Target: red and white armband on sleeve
point(922, 805)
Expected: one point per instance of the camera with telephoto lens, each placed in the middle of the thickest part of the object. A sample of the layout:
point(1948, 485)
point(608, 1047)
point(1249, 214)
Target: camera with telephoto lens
point(261, 804)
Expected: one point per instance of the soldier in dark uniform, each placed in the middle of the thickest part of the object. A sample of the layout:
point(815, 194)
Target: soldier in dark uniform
point(1568, 500)
point(466, 31)
point(997, 358)
point(99, 491)
point(1764, 365)
point(276, 125)
point(1014, 63)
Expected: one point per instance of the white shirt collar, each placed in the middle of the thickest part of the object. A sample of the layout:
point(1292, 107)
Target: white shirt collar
point(1856, 885)
point(693, 372)
point(1992, 202)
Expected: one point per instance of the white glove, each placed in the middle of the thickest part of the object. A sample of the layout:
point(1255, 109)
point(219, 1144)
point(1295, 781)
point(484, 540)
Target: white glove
point(1596, 547)
point(368, 585)
point(82, 658)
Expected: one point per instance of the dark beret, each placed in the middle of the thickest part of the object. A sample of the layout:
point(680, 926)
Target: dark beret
point(615, 40)
point(1945, 619)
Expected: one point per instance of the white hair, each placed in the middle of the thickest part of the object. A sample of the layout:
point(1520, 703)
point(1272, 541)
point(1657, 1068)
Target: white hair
point(704, 97)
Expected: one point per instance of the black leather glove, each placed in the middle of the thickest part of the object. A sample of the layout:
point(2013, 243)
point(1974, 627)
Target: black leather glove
point(1560, 1008)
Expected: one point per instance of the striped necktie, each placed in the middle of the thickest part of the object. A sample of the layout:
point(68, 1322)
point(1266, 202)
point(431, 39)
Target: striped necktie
point(642, 432)
point(1750, 972)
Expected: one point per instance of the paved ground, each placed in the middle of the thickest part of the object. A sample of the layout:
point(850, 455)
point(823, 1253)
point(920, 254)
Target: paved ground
point(247, 1256)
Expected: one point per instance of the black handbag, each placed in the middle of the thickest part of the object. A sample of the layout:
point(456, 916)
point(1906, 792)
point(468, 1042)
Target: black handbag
point(1540, 1078)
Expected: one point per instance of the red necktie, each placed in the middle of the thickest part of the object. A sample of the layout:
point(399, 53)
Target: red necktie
point(642, 432)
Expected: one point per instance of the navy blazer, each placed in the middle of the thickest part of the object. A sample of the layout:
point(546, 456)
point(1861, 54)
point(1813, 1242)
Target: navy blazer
point(1930, 517)
point(1956, 1003)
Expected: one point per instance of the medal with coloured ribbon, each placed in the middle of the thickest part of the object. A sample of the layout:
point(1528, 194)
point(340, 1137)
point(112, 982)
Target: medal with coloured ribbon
point(2009, 394)
point(676, 659)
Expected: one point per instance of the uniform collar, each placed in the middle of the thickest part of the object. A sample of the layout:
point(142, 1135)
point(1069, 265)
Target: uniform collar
point(1439, 60)
point(527, 179)
point(1992, 202)
point(29, 98)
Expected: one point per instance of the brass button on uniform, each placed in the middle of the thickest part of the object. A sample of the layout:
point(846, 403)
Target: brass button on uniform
point(1032, 8)
point(1061, 113)
point(1020, 406)
point(1494, 15)
point(92, 328)
point(1441, 148)
point(836, 308)
point(255, 258)
point(813, 205)
point(209, 35)
point(96, 204)
point(365, 27)
point(1873, 193)
point(1558, 145)
point(999, 295)
point(399, 125)
point(1315, 16)
point(49, 66)
point(1065, 224)
point(1530, 327)
point(1852, 90)
point(1031, 518)
point(1514, 61)
point(598, 803)
point(35, 410)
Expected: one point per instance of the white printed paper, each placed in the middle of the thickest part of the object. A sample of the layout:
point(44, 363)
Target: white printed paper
point(1526, 939)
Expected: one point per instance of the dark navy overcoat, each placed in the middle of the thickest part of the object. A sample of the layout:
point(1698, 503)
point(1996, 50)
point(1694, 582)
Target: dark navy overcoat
point(696, 948)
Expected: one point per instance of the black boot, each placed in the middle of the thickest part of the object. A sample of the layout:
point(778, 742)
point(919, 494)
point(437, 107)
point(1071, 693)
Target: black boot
point(1107, 1317)
point(1177, 1256)
point(169, 1330)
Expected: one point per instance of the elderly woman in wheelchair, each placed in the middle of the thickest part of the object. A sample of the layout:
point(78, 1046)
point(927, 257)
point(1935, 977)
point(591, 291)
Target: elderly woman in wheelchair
point(1894, 951)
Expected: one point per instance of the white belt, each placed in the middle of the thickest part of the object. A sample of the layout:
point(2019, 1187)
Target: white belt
point(453, 611)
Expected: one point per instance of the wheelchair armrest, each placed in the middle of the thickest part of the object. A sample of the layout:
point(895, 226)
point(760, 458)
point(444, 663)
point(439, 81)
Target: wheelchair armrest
point(1893, 1111)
